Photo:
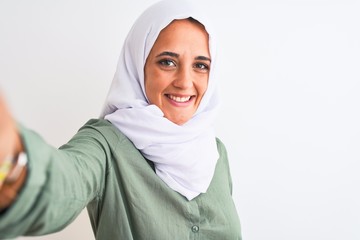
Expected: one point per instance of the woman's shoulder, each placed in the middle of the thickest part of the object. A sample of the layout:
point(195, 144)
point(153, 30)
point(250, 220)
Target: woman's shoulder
point(220, 146)
point(223, 154)
point(104, 128)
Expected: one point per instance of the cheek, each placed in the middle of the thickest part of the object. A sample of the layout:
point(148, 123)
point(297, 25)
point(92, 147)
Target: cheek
point(156, 81)
point(148, 82)
point(149, 90)
point(153, 88)
point(202, 87)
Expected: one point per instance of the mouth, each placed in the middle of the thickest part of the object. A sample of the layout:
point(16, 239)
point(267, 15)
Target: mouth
point(179, 99)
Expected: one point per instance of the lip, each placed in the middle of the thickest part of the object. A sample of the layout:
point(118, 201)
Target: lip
point(172, 99)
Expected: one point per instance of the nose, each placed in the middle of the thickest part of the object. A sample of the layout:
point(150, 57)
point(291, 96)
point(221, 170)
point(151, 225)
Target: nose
point(183, 78)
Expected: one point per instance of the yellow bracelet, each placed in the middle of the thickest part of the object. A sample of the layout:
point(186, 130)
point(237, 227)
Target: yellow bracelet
point(10, 190)
point(10, 170)
point(5, 169)
point(12, 175)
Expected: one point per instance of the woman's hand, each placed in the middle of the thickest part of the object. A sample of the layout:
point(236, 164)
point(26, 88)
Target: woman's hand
point(10, 147)
point(10, 141)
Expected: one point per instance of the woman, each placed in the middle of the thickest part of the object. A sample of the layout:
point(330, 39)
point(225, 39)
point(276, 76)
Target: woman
point(152, 160)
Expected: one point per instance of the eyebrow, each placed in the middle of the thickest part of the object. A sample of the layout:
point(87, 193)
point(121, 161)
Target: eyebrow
point(171, 54)
point(176, 55)
point(203, 58)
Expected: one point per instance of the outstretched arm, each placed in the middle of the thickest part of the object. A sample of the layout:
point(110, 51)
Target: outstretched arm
point(59, 182)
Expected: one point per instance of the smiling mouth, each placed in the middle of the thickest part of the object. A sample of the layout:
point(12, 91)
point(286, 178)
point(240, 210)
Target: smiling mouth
point(179, 99)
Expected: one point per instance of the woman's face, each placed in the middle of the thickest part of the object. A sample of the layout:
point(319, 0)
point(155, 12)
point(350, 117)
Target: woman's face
point(177, 70)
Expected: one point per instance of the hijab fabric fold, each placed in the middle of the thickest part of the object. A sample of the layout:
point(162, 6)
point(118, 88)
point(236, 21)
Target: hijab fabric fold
point(185, 155)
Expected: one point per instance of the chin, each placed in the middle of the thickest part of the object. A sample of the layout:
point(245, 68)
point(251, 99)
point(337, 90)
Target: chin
point(178, 121)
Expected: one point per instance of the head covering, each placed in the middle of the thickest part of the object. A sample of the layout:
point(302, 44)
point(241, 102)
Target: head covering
point(185, 155)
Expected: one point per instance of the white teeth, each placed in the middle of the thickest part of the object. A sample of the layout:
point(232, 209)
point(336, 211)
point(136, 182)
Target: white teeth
point(179, 99)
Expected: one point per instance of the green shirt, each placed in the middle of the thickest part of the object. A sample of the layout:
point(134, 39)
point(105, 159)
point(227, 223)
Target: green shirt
point(99, 168)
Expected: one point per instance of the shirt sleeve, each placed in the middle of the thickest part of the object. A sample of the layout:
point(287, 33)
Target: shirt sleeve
point(59, 185)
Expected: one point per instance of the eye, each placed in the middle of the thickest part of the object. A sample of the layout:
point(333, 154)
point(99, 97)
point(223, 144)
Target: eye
point(167, 63)
point(202, 67)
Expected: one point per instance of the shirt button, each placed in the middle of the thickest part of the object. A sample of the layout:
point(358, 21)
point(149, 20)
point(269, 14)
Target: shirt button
point(195, 228)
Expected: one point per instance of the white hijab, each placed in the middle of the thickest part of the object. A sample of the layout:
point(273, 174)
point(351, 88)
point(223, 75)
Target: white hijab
point(184, 156)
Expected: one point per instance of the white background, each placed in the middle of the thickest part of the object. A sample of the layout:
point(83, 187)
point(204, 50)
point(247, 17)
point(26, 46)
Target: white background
point(290, 83)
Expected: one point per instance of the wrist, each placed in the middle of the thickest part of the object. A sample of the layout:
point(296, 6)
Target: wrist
point(14, 179)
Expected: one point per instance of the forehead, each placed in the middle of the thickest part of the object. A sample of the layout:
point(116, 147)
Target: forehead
point(188, 24)
point(182, 34)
